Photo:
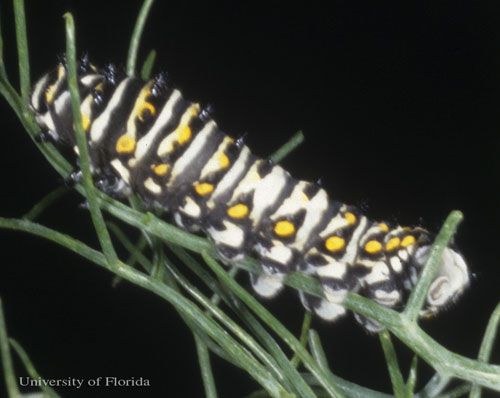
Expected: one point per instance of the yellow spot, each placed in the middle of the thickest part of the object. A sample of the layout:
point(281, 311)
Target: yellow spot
point(204, 188)
point(392, 244)
point(383, 227)
point(125, 144)
point(373, 246)
point(184, 134)
point(223, 160)
point(85, 122)
point(408, 241)
point(160, 169)
point(284, 229)
point(350, 218)
point(238, 211)
point(49, 94)
point(334, 244)
point(145, 108)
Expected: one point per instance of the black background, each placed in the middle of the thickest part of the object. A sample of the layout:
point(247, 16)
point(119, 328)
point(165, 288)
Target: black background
point(399, 105)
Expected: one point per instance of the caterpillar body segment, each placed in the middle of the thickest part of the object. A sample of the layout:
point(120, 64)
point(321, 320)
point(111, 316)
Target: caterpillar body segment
point(145, 137)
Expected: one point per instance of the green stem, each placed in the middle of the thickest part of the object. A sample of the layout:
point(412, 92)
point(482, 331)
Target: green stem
point(306, 325)
point(289, 146)
point(45, 202)
point(147, 66)
point(12, 98)
point(418, 295)
point(391, 359)
point(490, 335)
point(30, 368)
point(444, 361)
point(132, 259)
point(8, 367)
point(6, 89)
point(487, 345)
point(412, 378)
point(189, 309)
point(243, 336)
point(457, 392)
point(90, 191)
point(22, 50)
point(136, 37)
point(205, 368)
point(274, 324)
point(350, 389)
point(434, 386)
point(3, 72)
point(290, 373)
point(135, 254)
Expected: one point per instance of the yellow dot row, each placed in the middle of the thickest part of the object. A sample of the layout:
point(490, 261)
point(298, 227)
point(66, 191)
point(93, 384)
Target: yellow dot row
point(374, 246)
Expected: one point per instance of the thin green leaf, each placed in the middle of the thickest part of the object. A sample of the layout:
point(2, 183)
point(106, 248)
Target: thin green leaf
point(418, 295)
point(136, 37)
point(30, 368)
point(147, 66)
point(206, 369)
point(3, 72)
point(6, 89)
point(132, 259)
point(200, 333)
point(274, 324)
point(7, 365)
point(10, 95)
point(291, 375)
point(200, 271)
point(289, 370)
point(306, 325)
point(317, 349)
point(216, 298)
point(131, 248)
point(22, 50)
point(490, 335)
point(442, 360)
point(457, 392)
point(349, 389)
point(412, 378)
point(289, 146)
point(243, 336)
point(434, 386)
point(95, 211)
point(45, 203)
point(218, 334)
point(391, 359)
point(487, 345)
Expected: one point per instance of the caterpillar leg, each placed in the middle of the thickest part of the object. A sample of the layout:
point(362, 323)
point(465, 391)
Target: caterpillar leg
point(267, 285)
point(336, 281)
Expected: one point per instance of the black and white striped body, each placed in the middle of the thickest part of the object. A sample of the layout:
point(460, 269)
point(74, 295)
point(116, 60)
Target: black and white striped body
point(144, 137)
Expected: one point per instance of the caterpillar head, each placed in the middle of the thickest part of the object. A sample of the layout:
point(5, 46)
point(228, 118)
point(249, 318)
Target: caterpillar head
point(450, 282)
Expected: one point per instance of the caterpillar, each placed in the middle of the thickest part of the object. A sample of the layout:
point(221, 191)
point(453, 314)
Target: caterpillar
point(144, 137)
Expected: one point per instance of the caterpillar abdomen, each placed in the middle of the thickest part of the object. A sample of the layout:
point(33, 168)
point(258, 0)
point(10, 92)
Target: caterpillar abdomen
point(144, 137)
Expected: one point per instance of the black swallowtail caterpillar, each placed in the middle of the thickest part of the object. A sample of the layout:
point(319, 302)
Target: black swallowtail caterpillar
point(144, 137)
